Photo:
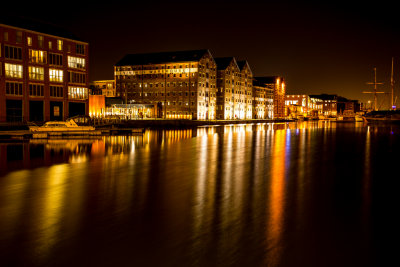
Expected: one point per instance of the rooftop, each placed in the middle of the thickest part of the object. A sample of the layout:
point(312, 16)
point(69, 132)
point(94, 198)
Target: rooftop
point(38, 26)
point(223, 62)
point(162, 57)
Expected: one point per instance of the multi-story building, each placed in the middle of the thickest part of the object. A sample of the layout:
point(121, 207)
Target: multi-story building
point(263, 103)
point(329, 104)
point(43, 73)
point(303, 105)
point(106, 87)
point(246, 88)
point(228, 84)
point(234, 89)
point(278, 86)
point(182, 82)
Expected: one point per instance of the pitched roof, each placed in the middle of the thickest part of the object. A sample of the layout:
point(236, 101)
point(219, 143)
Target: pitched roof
point(38, 26)
point(223, 62)
point(325, 96)
point(244, 63)
point(162, 57)
point(241, 64)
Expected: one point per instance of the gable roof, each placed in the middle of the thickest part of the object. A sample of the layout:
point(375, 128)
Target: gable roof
point(162, 57)
point(242, 64)
point(223, 62)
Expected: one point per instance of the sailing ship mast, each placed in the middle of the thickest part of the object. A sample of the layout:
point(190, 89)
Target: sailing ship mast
point(392, 87)
point(375, 92)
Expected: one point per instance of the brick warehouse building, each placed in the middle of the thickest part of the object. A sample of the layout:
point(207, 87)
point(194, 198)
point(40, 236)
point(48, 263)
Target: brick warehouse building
point(182, 83)
point(246, 88)
point(43, 73)
point(278, 85)
point(263, 100)
point(228, 88)
point(234, 89)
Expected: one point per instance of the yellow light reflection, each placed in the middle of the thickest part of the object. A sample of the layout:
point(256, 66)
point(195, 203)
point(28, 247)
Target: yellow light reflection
point(277, 198)
point(49, 211)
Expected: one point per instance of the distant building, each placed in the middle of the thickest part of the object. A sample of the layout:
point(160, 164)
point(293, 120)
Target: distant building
point(182, 82)
point(303, 105)
point(43, 73)
point(263, 100)
point(277, 84)
point(104, 87)
point(347, 107)
point(329, 104)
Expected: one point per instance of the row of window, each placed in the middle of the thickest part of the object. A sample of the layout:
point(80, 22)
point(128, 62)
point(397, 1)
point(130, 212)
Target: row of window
point(163, 67)
point(40, 57)
point(59, 44)
point(15, 89)
point(206, 94)
point(37, 73)
point(150, 85)
point(238, 100)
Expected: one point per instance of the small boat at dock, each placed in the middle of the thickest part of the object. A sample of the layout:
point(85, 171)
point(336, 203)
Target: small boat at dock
point(358, 118)
point(61, 126)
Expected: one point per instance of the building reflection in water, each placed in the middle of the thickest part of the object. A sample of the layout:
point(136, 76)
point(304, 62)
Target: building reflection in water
point(201, 193)
point(276, 200)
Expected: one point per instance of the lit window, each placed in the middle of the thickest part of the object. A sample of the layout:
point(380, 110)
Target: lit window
point(37, 56)
point(40, 41)
point(36, 73)
point(29, 41)
point(76, 62)
point(56, 75)
point(77, 93)
point(59, 45)
point(13, 70)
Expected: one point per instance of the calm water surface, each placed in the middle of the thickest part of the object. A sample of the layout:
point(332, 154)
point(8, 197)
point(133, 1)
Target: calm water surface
point(306, 194)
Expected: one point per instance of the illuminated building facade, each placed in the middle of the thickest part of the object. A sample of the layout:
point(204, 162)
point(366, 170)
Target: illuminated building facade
point(234, 89)
point(43, 73)
point(228, 87)
point(246, 88)
point(278, 87)
point(303, 105)
point(263, 101)
point(182, 82)
point(106, 87)
point(329, 104)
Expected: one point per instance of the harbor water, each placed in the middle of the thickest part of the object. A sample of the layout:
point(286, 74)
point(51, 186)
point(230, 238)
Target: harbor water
point(272, 194)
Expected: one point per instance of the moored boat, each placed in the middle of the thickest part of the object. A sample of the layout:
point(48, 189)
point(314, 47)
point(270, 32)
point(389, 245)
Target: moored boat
point(61, 126)
point(358, 118)
point(388, 116)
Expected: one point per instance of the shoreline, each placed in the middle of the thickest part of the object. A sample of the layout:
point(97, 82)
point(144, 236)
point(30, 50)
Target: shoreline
point(153, 123)
point(157, 124)
point(21, 131)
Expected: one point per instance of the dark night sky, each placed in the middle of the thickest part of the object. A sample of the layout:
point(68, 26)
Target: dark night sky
point(319, 47)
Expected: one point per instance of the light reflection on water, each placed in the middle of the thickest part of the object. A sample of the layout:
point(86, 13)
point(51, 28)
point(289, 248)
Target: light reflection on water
point(244, 195)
